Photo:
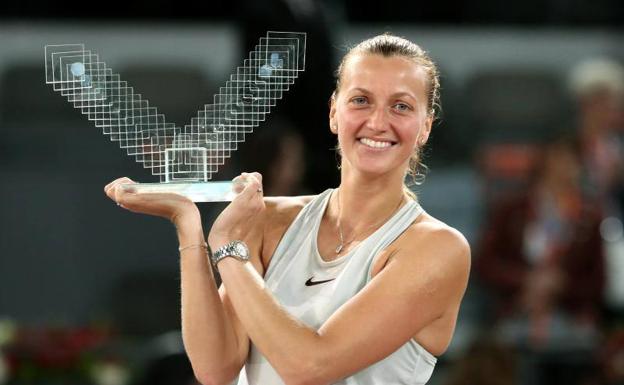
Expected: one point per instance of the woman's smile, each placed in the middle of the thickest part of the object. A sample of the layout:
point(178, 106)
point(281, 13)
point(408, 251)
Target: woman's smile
point(376, 144)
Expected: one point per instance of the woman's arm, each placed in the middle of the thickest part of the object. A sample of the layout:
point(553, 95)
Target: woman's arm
point(414, 289)
point(214, 339)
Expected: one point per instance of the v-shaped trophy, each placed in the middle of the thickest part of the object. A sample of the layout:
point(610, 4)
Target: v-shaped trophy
point(184, 158)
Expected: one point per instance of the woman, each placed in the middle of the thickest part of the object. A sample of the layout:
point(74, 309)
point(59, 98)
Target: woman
point(356, 284)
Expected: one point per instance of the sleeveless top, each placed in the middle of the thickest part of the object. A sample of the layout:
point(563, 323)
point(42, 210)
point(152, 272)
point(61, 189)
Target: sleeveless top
point(295, 276)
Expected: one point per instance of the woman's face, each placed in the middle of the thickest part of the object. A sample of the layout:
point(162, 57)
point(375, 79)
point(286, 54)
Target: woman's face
point(380, 113)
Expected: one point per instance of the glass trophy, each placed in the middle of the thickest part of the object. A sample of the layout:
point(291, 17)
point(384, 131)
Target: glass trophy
point(184, 158)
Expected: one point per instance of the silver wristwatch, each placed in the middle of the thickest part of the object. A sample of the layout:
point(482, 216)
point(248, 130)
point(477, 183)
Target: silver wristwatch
point(236, 249)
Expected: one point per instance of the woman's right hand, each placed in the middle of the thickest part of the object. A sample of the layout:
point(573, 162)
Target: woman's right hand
point(173, 207)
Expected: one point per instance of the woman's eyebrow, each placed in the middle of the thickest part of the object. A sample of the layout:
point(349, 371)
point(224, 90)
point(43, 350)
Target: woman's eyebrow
point(395, 95)
point(403, 94)
point(360, 89)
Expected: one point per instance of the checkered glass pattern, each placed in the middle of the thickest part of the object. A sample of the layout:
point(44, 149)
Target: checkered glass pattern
point(193, 152)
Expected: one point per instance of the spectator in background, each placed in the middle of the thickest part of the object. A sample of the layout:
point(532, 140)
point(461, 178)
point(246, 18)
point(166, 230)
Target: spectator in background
point(598, 88)
point(542, 255)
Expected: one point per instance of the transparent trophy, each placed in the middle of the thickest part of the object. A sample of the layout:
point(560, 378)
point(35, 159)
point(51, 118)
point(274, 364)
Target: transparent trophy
point(184, 158)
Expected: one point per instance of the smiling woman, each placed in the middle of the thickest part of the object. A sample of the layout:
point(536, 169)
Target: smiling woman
point(357, 285)
point(388, 46)
point(382, 106)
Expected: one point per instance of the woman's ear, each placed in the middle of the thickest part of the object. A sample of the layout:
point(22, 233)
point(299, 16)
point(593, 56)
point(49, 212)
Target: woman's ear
point(423, 136)
point(332, 114)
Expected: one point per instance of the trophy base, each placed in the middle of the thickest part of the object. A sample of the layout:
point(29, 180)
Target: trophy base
point(195, 191)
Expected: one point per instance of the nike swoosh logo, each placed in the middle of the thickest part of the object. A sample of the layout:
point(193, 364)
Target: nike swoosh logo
point(309, 282)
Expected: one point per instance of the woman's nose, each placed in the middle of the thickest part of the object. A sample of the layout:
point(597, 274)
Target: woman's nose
point(378, 119)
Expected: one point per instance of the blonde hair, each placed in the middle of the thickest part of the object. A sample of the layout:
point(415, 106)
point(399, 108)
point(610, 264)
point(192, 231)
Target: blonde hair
point(597, 74)
point(388, 45)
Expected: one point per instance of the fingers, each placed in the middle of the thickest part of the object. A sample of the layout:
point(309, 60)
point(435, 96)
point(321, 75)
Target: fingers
point(247, 182)
point(129, 200)
point(239, 184)
point(258, 176)
point(109, 187)
point(253, 184)
point(118, 180)
point(114, 191)
point(251, 192)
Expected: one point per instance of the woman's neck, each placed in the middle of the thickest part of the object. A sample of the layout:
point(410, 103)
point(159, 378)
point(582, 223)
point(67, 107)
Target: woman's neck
point(363, 200)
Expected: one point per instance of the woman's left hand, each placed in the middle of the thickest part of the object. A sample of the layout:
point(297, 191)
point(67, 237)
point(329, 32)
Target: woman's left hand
point(238, 218)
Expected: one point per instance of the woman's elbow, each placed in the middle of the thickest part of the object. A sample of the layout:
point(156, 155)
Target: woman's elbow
point(224, 376)
point(306, 373)
point(214, 379)
point(305, 379)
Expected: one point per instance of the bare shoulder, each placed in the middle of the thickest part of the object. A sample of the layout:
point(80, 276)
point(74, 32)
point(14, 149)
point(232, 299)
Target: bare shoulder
point(437, 234)
point(279, 213)
point(284, 209)
point(432, 244)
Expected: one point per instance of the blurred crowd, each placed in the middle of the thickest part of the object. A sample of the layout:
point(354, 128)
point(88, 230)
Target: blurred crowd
point(550, 254)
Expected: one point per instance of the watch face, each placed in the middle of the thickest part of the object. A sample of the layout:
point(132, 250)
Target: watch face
point(241, 250)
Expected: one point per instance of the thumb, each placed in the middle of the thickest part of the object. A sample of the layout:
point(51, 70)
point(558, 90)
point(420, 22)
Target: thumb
point(246, 183)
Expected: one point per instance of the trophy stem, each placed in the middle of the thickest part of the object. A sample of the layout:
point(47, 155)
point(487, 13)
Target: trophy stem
point(195, 191)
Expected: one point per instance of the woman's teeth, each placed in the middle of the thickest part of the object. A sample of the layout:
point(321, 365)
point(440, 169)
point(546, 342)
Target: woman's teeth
point(374, 143)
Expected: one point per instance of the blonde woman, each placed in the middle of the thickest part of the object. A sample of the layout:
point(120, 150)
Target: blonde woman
point(357, 285)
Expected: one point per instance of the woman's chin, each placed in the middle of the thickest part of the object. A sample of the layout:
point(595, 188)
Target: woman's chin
point(375, 169)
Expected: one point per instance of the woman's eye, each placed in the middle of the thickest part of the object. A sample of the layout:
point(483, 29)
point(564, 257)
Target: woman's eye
point(402, 107)
point(359, 100)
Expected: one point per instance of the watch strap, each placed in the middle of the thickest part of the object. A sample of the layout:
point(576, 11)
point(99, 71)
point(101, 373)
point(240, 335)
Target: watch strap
point(230, 249)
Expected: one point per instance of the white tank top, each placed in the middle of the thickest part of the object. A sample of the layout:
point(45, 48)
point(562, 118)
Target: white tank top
point(312, 289)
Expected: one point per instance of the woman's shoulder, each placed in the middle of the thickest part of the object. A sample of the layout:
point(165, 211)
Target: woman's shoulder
point(432, 236)
point(284, 208)
point(426, 224)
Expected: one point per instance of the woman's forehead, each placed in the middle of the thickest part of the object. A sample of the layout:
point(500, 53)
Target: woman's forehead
point(368, 70)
